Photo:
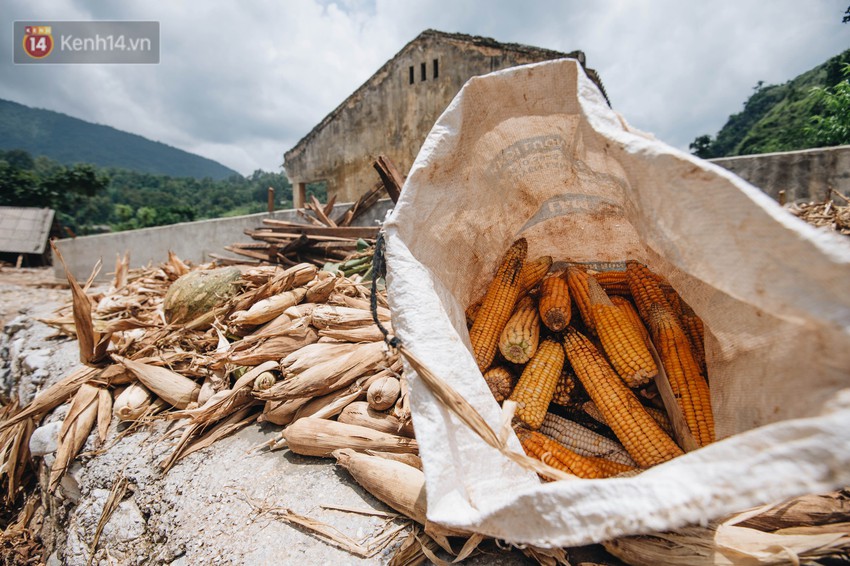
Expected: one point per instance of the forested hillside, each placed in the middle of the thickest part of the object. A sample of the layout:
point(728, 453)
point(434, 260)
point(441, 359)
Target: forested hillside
point(89, 199)
point(69, 140)
point(793, 115)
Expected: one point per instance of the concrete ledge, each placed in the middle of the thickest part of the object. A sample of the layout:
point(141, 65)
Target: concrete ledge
point(192, 241)
point(804, 175)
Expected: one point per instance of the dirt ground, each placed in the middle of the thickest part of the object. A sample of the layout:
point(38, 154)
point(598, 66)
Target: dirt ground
point(27, 286)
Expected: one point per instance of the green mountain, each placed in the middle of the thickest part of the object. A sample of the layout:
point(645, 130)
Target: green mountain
point(70, 140)
point(775, 117)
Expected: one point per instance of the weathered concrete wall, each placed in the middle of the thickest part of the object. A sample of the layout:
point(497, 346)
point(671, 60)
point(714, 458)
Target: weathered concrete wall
point(392, 116)
point(803, 175)
point(192, 241)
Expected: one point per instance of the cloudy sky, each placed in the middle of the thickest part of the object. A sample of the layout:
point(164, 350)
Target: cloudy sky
point(242, 82)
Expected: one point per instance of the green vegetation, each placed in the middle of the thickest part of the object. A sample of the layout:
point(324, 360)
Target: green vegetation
point(89, 200)
point(809, 111)
point(70, 140)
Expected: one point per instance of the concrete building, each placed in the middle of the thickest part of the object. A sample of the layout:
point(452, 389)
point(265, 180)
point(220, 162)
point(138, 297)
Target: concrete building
point(394, 110)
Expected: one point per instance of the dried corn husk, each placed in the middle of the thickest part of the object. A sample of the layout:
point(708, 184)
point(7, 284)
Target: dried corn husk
point(53, 396)
point(399, 485)
point(174, 388)
point(331, 375)
point(76, 427)
point(320, 437)
point(361, 334)
point(311, 355)
point(267, 309)
point(322, 289)
point(336, 317)
point(302, 310)
point(330, 405)
point(383, 393)
point(731, 543)
point(409, 459)
point(132, 403)
point(274, 348)
point(92, 343)
point(360, 413)
point(282, 412)
point(104, 413)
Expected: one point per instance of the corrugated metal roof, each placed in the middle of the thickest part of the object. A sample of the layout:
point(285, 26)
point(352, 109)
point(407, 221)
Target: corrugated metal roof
point(24, 230)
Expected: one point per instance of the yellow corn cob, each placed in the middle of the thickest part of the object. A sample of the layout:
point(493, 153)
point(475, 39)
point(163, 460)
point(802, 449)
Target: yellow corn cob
point(536, 385)
point(621, 341)
point(584, 441)
point(659, 416)
point(614, 282)
point(521, 335)
point(500, 381)
point(628, 309)
point(533, 272)
point(641, 436)
point(645, 288)
point(577, 280)
point(554, 305)
point(554, 454)
point(498, 305)
point(564, 388)
point(688, 384)
point(695, 331)
point(673, 299)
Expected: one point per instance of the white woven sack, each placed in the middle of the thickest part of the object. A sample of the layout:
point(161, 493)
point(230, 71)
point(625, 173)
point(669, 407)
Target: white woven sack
point(534, 151)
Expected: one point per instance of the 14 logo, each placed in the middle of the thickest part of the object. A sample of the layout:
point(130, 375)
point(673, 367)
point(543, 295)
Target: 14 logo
point(38, 41)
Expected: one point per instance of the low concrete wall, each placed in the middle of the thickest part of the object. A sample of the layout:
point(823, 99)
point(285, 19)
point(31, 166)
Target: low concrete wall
point(192, 241)
point(803, 175)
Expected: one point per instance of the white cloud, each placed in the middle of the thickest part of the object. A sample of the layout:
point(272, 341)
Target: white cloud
point(243, 82)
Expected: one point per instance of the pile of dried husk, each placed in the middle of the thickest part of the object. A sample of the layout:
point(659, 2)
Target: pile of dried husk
point(833, 213)
point(216, 349)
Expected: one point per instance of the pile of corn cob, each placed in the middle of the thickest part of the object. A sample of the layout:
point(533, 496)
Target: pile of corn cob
point(607, 369)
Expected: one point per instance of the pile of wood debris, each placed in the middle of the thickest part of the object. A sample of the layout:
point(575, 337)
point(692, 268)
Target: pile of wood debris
point(828, 214)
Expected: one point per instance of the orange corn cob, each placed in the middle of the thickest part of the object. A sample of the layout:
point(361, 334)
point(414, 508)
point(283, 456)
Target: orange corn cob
point(554, 454)
point(554, 303)
point(688, 384)
point(695, 331)
point(564, 388)
point(614, 282)
point(622, 342)
point(628, 309)
point(577, 280)
point(673, 299)
point(501, 382)
point(521, 335)
point(645, 288)
point(533, 272)
point(497, 306)
point(536, 385)
point(641, 436)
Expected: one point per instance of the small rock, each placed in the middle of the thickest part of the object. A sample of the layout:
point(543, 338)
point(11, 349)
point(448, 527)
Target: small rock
point(35, 361)
point(53, 560)
point(16, 325)
point(126, 524)
point(45, 439)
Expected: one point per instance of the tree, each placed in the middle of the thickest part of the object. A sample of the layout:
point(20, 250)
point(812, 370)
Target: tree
point(831, 126)
point(701, 147)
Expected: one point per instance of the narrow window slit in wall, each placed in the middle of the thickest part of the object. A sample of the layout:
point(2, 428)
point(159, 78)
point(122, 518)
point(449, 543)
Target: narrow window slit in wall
point(411, 74)
point(436, 68)
point(423, 71)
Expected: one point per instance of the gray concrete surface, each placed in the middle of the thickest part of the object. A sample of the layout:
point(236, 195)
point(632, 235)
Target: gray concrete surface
point(192, 241)
point(805, 175)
